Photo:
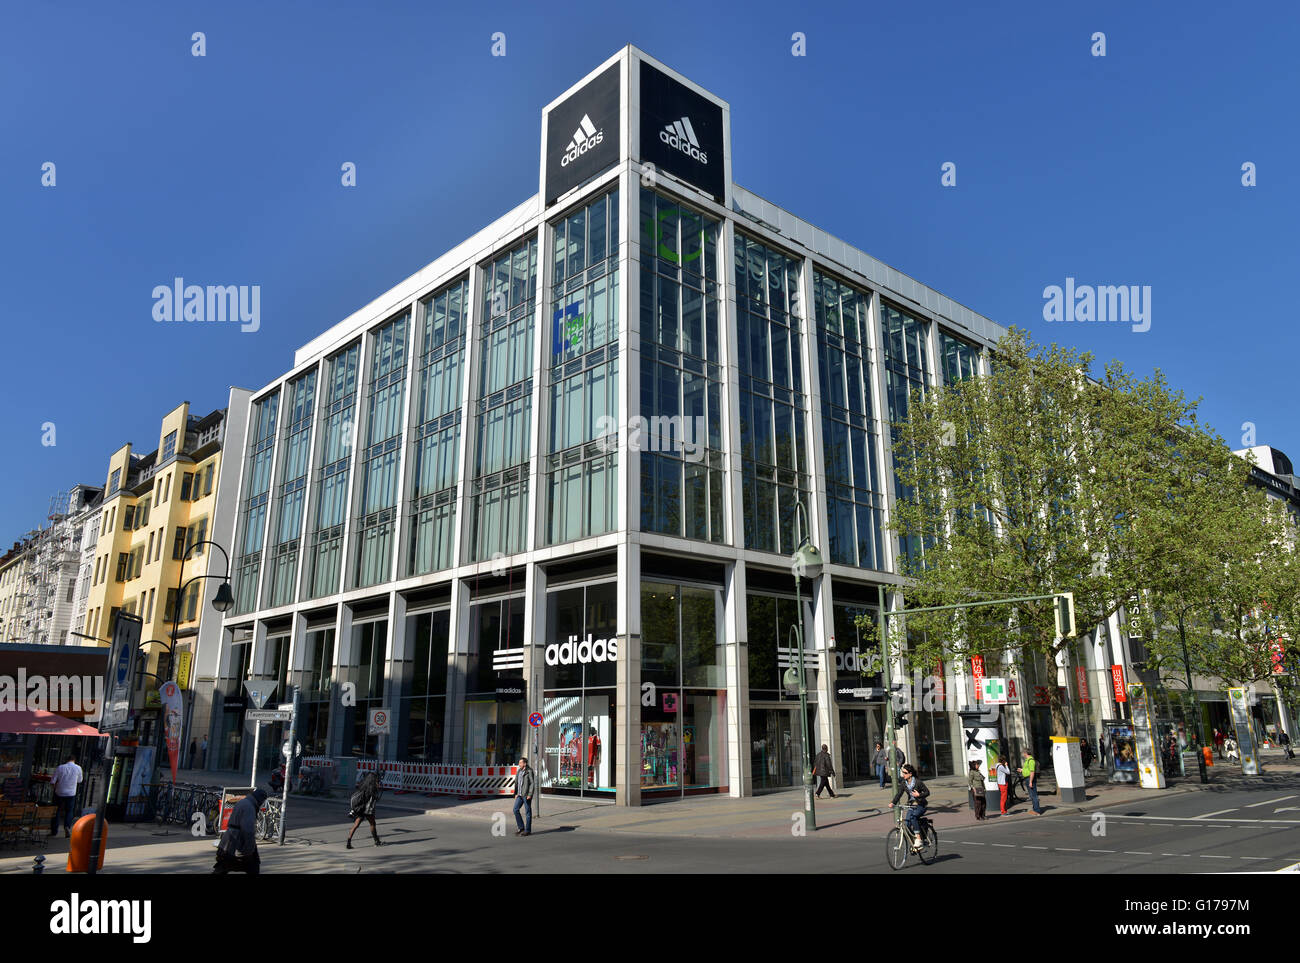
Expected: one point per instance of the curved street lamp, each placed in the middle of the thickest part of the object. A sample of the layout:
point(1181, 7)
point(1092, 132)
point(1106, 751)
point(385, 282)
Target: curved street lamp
point(806, 561)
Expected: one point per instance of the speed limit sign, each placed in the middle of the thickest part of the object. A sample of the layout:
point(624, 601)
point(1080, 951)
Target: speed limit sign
point(380, 723)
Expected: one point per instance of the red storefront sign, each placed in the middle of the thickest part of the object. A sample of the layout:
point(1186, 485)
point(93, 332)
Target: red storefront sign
point(940, 693)
point(1117, 677)
point(1081, 677)
point(977, 672)
point(1042, 696)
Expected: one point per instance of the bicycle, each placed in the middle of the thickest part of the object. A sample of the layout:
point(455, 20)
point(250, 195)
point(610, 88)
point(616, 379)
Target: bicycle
point(268, 819)
point(898, 844)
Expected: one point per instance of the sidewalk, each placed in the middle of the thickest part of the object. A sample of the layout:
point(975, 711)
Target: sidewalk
point(856, 809)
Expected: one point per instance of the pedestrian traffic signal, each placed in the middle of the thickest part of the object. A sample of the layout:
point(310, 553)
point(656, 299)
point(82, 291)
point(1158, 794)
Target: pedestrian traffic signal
point(900, 719)
point(1065, 615)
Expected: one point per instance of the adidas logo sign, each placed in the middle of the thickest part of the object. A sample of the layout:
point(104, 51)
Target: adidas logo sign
point(584, 139)
point(681, 136)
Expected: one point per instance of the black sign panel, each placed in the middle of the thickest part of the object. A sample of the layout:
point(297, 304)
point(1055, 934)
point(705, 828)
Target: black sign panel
point(510, 689)
point(582, 135)
point(681, 132)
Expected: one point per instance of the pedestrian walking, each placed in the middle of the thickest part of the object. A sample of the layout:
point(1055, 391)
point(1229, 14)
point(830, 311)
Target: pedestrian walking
point(203, 752)
point(194, 750)
point(1218, 743)
point(362, 805)
point(976, 782)
point(823, 770)
point(1029, 769)
point(1230, 746)
point(64, 782)
point(1101, 749)
point(1085, 754)
point(237, 851)
point(1003, 772)
point(881, 761)
point(1284, 741)
point(525, 786)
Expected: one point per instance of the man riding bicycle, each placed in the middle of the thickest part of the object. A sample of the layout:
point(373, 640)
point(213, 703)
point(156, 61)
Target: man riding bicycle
point(917, 796)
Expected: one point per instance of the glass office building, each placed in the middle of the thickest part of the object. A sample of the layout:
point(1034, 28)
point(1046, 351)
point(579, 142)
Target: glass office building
point(562, 469)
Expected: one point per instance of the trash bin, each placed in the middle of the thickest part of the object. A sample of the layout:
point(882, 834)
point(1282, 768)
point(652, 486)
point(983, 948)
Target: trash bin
point(83, 834)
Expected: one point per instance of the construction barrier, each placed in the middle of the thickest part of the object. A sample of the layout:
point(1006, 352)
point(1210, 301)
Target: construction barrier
point(324, 765)
point(432, 779)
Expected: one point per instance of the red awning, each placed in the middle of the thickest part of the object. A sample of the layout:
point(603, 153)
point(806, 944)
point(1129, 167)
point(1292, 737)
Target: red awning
point(39, 723)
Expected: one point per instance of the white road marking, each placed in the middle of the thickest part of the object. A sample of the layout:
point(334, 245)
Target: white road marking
point(1101, 850)
point(1263, 858)
point(1269, 802)
point(1065, 849)
point(1003, 845)
point(1129, 853)
point(1184, 824)
point(1217, 812)
point(970, 842)
point(1203, 856)
point(1033, 847)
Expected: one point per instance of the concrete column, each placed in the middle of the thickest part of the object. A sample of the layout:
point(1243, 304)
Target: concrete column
point(534, 643)
point(344, 673)
point(398, 665)
point(740, 779)
point(453, 747)
point(627, 761)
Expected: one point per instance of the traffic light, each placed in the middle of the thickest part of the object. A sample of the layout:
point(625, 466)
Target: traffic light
point(1065, 615)
point(900, 719)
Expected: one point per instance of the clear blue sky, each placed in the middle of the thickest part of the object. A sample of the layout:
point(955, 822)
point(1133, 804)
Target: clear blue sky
point(225, 170)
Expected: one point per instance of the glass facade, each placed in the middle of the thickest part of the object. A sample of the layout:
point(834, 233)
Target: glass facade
point(422, 711)
point(907, 369)
point(682, 460)
point(773, 406)
point(494, 728)
point(252, 524)
point(291, 493)
point(334, 452)
point(854, 492)
point(582, 374)
point(504, 410)
point(378, 462)
point(436, 437)
point(960, 360)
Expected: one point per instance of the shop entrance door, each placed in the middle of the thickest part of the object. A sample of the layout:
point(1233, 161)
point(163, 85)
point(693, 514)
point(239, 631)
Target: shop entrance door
point(776, 746)
point(859, 732)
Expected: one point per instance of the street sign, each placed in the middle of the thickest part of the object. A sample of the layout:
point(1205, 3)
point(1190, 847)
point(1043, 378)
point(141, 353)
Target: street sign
point(269, 715)
point(120, 674)
point(380, 723)
point(995, 690)
point(259, 692)
point(297, 749)
point(535, 720)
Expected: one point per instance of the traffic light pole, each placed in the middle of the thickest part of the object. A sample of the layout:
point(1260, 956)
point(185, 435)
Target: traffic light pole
point(1065, 625)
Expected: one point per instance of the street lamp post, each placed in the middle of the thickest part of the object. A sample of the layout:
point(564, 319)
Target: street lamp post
point(221, 602)
point(806, 560)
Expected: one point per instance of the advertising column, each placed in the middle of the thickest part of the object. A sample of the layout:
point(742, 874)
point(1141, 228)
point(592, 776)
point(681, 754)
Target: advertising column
point(1068, 764)
point(1245, 734)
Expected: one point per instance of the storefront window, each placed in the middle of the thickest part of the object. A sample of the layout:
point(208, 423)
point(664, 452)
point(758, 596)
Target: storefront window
point(420, 718)
point(683, 731)
point(580, 665)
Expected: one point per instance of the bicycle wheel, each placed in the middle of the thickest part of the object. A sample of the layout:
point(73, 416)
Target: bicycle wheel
point(930, 849)
point(896, 847)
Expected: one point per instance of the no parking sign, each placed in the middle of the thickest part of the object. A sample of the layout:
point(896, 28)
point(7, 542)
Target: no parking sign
point(535, 720)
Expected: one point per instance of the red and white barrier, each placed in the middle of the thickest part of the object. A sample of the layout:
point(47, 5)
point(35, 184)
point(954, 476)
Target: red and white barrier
point(432, 779)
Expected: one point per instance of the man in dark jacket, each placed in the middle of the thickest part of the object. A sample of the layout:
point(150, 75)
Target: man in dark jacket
point(917, 795)
point(1284, 741)
point(881, 761)
point(238, 849)
point(822, 770)
point(525, 786)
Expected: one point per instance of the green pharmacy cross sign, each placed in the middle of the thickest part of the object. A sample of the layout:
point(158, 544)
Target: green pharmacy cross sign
point(995, 690)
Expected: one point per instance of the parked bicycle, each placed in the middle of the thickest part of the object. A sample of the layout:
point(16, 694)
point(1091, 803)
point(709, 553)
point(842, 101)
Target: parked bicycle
point(269, 818)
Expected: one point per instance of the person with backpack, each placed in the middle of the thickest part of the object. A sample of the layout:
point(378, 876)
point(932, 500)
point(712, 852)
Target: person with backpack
point(1003, 772)
point(823, 771)
point(525, 787)
point(362, 805)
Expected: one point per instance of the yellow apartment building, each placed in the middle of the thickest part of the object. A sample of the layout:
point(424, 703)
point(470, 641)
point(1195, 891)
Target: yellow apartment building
point(157, 511)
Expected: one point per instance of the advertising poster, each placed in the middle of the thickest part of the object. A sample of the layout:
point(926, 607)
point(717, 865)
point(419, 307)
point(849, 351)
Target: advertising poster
point(1123, 752)
point(1245, 732)
point(1150, 770)
point(173, 712)
point(141, 771)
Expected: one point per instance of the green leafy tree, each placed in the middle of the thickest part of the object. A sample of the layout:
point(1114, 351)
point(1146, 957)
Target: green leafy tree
point(1040, 478)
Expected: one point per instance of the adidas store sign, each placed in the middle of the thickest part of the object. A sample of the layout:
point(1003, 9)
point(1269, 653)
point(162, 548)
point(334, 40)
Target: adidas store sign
point(573, 652)
point(584, 139)
point(680, 135)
